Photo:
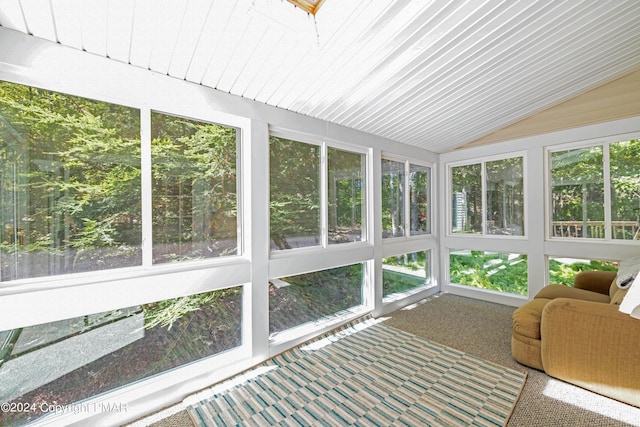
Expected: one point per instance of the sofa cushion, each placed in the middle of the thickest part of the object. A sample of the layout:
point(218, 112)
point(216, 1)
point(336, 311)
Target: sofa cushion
point(563, 291)
point(526, 319)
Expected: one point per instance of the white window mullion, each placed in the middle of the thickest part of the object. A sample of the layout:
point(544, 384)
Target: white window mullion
point(146, 183)
point(606, 171)
point(324, 197)
point(407, 200)
point(483, 177)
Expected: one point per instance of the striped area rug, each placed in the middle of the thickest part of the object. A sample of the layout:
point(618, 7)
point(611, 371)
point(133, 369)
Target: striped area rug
point(365, 374)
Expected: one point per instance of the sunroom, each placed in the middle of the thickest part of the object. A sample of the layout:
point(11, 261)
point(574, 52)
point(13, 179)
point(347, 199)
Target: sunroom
point(190, 188)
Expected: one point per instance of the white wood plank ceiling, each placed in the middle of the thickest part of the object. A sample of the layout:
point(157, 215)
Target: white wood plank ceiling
point(436, 74)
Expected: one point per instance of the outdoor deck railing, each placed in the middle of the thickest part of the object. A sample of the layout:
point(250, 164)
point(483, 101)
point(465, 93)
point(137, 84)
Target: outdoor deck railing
point(628, 230)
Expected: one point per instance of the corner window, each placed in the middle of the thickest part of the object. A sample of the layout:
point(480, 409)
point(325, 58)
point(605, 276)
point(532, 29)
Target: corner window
point(406, 199)
point(405, 272)
point(488, 198)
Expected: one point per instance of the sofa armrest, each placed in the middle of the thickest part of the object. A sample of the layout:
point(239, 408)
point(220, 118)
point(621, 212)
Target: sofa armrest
point(592, 345)
point(596, 281)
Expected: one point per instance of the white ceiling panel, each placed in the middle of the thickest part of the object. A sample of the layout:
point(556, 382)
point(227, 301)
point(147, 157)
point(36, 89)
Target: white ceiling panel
point(11, 16)
point(68, 23)
point(93, 19)
point(120, 21)
point(436, 74)
point(38, 19)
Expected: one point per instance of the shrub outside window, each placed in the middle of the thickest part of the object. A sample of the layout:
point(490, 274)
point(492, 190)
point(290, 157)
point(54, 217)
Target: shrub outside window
point(564, 270)
point(504, 272)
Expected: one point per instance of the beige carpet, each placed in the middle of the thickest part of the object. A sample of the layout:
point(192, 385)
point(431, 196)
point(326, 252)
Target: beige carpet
point(484, 329)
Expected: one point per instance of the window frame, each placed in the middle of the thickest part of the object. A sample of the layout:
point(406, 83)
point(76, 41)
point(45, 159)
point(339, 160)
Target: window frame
point(605, 143)
point(406, 205)
point(296, 261)
point(483, 161)
point(103, 290)
point(325, 144)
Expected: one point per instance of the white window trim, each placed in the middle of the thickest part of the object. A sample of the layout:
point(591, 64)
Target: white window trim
point(605, 143)
point(407, 162)
point(94, 290)
point(313, 254)
point(482, 161)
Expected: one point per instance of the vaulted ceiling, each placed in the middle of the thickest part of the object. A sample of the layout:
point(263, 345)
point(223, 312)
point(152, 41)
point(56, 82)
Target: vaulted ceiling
point(436, 74)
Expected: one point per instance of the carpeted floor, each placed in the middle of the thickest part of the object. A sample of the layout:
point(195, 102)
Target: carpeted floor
point(484, 329)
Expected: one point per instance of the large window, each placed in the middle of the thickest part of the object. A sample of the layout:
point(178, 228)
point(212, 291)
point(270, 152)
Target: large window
point(71, 188)
point(70, 197)
point(580, 205)
point(56, 364)
point(577, 193)
point(299, 215)
point(406, 194)
point(296, 300)
point(194, 189)
point(488, 198)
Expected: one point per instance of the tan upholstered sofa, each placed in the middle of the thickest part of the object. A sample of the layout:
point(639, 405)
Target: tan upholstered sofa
point(577, 334)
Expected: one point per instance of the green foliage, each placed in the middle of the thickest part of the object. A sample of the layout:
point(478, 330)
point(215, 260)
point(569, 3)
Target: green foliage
point(467, 181)
point(70, 191)
point(493, 271)
point(294, 190)
point(166, 313)
point(564, 272)
point(393, 198)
